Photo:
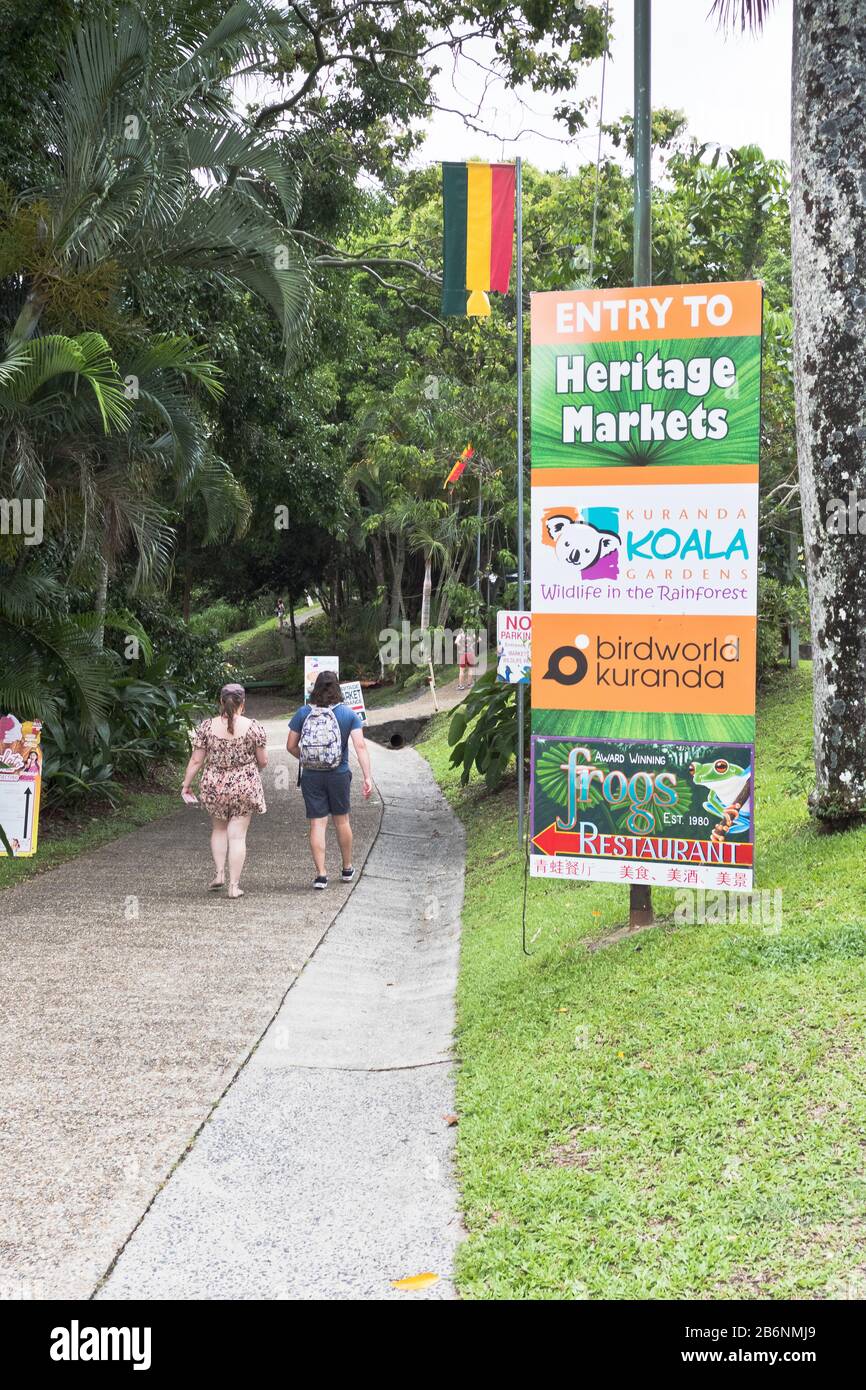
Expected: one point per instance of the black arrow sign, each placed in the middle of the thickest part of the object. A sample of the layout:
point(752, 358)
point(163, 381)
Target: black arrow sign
point(27, 795)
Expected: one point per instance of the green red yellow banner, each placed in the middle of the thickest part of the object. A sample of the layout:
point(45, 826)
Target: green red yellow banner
point(478, 211)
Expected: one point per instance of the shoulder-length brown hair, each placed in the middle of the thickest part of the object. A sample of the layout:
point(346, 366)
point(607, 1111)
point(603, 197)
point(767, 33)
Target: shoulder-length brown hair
point(326, 690)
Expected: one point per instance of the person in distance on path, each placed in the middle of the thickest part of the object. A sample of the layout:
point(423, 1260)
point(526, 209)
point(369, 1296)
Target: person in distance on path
point(319, 735)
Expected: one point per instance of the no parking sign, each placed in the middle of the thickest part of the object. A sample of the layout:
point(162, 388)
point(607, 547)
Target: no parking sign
point(513, 647)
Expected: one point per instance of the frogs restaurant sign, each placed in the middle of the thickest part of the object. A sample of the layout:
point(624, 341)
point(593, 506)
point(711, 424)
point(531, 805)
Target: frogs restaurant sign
point(645, 436)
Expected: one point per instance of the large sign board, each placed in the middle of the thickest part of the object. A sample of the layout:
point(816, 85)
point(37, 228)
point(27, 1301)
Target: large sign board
point(678, 814)
point(645, 438)
point(313, 665)
point(20, 783)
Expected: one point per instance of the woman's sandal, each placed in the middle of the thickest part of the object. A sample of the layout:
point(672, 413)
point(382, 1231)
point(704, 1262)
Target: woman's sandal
point(215, 884)
point(237, 893)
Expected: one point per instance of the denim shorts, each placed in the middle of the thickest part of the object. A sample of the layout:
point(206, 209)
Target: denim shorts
point(326, 793)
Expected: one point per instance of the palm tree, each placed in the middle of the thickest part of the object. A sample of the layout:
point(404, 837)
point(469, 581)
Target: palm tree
point(149, 163)
point(431, 529)
point(116, 462)
point(47, 651)
point(828, 237)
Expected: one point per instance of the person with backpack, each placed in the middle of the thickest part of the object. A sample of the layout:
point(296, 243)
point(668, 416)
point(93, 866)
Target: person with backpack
point(319, 735)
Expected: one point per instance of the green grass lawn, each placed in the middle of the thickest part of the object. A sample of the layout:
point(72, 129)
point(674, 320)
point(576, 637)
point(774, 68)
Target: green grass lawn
point(682, 1114)
point(387, 695)
point(249, 634)
point(259, 652)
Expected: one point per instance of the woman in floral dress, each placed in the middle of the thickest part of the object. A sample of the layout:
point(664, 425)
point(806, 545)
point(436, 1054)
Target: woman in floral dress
point(231, 748)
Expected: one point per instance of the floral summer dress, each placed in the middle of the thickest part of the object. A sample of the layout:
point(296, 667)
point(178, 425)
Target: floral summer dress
point(230, 782)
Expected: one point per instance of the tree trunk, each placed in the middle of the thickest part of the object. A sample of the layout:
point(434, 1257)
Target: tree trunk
point(333, 610)
point(426, 591)
point(828, 233)
point(438, 599)
point(379, 571)
point(397, 582)
point(292, 621)
point(186, 595)
point(101, 603)
point(187, 574)
point(445, 611)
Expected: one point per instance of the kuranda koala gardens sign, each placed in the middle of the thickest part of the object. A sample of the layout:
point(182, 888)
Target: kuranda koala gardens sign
point(645, 436)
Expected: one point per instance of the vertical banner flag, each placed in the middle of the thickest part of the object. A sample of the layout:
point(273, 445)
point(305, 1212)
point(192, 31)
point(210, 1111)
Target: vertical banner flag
point(20, 783)
point(645, 439)
point(457, 471)
point(478, 214)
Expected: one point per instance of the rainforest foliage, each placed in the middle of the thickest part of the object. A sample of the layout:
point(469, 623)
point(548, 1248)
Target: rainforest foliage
point(223, 373)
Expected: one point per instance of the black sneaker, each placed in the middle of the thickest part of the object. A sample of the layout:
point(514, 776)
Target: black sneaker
point(347, 875)
point(321, 881)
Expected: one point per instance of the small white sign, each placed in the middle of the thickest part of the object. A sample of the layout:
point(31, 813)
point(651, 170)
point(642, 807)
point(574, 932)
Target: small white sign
point(513, 646)
point(353, 696)
point(313, 665)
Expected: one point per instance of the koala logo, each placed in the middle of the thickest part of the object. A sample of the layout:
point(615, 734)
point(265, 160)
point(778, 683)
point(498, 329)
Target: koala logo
point(581, 544)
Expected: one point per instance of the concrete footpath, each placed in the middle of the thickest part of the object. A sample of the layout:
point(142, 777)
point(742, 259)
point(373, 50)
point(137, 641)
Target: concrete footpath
point(135, 1005)
point(326, 1170)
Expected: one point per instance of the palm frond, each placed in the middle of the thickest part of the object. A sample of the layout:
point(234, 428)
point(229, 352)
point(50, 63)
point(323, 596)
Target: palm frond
point(153, 538)
point(750, 14)
point(100, 372)
point(52, 654)
point(16, 358)
point(177, 353)
point(27, 474)
point(227, 505)
point(87, 357)
point(23, 679)
point(246, 33)
point(121, 621)
point(29, 593)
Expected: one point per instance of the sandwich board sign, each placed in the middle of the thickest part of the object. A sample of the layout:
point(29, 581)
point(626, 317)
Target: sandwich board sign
point(353, 696)
point(20, 784)
point(645, 440)
point(513, 647)
point(313, 665)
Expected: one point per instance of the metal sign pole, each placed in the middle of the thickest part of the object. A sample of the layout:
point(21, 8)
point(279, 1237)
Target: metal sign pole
point(640, 906)
point(642, 144)
point(521, 690)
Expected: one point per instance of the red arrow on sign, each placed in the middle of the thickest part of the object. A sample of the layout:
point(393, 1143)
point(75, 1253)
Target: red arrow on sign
point(554, 841)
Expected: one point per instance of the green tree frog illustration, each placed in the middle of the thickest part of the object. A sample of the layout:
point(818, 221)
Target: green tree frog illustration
point(724, 782)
